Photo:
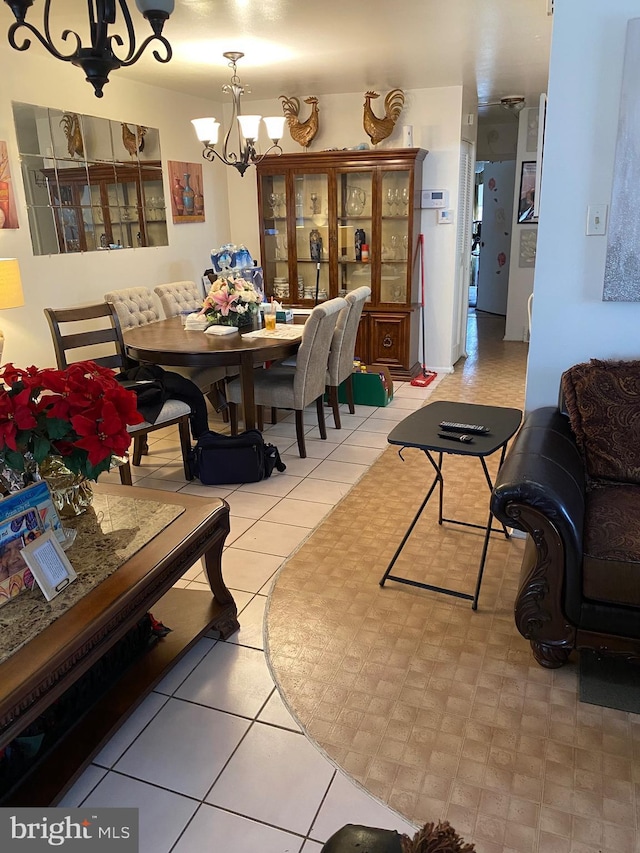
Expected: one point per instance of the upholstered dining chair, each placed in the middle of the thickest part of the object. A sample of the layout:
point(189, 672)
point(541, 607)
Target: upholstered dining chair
point(295, 388)
point(100, 330)
point(179, 296)
point(137, 306)
point(343, 347)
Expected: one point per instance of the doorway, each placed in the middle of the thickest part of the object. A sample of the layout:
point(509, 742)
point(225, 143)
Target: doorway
point(491, 245)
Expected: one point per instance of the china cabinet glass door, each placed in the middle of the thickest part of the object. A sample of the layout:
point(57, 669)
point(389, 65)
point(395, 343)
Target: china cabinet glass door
point(395, 238)
point(275, 261)
point(312, 243)
point(355, 230)
point(124, 212)
point(87, 213)
point(154, 221)
point(68, 215)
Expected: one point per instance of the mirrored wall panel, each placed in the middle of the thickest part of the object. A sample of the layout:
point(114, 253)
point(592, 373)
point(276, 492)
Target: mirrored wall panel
point(91, 184)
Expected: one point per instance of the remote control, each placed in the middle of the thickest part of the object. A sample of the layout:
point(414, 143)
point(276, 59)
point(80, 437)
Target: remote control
point(456, 436)
point(451, 426)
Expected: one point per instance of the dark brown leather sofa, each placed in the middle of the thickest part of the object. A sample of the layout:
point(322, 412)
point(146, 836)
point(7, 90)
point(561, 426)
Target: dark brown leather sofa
point(571, 480)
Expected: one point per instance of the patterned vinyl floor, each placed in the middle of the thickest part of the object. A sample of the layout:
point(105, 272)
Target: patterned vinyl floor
point(439, 711)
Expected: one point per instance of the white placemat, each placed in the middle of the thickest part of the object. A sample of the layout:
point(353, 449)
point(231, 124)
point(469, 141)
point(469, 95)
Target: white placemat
point(283, 331)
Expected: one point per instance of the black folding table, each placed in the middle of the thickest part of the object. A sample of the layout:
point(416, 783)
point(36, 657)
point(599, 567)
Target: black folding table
point(420, 430)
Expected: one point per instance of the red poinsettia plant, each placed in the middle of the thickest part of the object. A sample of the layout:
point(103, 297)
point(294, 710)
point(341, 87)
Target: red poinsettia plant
point(80, 413)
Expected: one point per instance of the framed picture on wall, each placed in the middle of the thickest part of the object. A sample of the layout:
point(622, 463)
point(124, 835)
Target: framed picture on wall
point(187, 199)
point(8, 215)
point(526, 207)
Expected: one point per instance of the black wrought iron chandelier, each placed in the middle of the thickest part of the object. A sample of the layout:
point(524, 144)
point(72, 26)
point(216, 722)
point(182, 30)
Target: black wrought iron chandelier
point(248, 126)
point(99, 60)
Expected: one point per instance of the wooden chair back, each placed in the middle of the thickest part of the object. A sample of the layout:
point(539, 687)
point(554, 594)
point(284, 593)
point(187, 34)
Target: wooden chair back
point(96, 336)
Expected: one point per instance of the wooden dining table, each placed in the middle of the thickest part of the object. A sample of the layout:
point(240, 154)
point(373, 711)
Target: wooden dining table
point(169, 344)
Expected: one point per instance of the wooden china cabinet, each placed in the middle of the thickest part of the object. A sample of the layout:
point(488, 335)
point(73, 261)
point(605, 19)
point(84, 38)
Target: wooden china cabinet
point(314, 208)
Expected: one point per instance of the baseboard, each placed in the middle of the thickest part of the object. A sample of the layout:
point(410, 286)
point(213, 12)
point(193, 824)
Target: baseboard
point(449, 369)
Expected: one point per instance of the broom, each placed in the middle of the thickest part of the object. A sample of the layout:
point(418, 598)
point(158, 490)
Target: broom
point(427, 375)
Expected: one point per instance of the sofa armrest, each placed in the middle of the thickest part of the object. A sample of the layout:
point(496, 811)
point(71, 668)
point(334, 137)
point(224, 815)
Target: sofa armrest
point(540, 489)
point(544, 470)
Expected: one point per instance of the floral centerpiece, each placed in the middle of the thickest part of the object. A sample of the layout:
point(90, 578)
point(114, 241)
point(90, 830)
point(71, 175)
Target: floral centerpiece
point(231, 301)
point(76, 417)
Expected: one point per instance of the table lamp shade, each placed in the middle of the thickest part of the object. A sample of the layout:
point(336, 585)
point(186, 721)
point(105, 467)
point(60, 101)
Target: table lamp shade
point(11, 295)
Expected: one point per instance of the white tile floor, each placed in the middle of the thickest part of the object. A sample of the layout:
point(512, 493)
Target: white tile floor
point(213, 753)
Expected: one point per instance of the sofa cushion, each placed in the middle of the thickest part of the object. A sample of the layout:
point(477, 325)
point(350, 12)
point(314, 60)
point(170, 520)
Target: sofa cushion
point(611, 554)
point(602, 399)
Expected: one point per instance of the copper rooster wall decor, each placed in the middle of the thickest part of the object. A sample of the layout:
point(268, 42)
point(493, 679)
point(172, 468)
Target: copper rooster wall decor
point(302, 132)
point(376, 128)
point(133, 142)
point(71, 125)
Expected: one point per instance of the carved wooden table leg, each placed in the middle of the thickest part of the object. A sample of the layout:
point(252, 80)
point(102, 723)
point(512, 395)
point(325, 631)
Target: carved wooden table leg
point(227, 623)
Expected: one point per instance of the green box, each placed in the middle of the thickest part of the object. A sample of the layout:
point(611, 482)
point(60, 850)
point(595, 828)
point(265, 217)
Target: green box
point(368, 388)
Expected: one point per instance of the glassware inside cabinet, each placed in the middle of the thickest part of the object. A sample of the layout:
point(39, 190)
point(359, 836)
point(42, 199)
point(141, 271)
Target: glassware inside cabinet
point(393, 283)
point(274, 212)
point(353, 276)
point(394, 235)
point(312, 238)
point(153, 198)
point(396, 194)
point(355, 194)
point(308, 277)
point(311, 201)
point(69, 226)
point(393, 265)
point(274, 197)
point(275, 263)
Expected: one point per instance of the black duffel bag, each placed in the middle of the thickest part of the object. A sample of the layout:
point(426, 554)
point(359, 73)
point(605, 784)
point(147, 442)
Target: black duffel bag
point(246, 458)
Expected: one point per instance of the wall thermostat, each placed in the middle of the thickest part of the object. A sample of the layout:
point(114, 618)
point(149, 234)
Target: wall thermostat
point(435, 198)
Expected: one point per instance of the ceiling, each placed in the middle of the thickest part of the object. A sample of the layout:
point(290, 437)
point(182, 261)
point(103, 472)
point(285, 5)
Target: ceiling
point(497, 47)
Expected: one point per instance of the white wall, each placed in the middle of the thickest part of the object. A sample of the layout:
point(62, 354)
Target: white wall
point(436, 116)
point(61, 280)
point(520, 278)
point(497, 141)
point(571, 323)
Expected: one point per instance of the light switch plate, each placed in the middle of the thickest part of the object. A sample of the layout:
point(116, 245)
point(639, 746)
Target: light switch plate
point(597, 219)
